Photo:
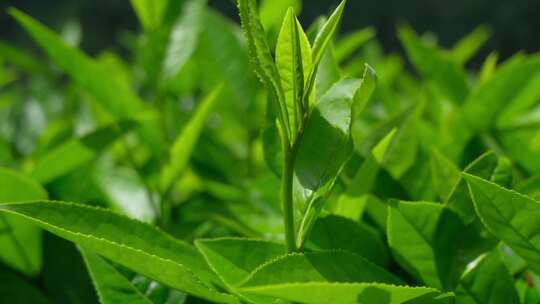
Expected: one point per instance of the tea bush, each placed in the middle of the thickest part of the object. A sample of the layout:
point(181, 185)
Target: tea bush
point(266, 162)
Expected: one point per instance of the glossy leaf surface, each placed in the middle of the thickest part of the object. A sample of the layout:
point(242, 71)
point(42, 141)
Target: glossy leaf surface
point(510, 216)
point(425, 239)
point(133, 244)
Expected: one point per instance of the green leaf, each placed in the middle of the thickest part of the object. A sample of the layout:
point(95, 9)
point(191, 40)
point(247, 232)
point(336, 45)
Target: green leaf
point(220, 45)
point(233, 259)
point(336, 232)
point(262, 59)
point(293, 61)
point(20, 241)
point(470, 44)
point(488, 68)
point(184, 143)
point(363, 95)
point(76, 152)
point(183, 37)
point(488, 102)
point(509, 216)
point(516, 112)
point(416, 181)
point(487, 281)
point(402, 151)
point(352, 293)
point(529, 187)
point(111, 92)
point(357, 192)
point(6, 76)
point(133, 244)
point(328, 73)
point(321, 45)
point(15, 290)
point(111, 286)
point(376, 210)
point(445, 174)
point(326, 144)
point(124, 190)
point(273, 11)
point(425, 239)
point(150, 12)
point(325, 35)
point(459, 199)
point(513, 262)
point(158, 293)
point(323, 151)
point(20, 58)
point(17, 187)
point(443, 72)
point(521, 144)
point(349, 44)
point(322, 267)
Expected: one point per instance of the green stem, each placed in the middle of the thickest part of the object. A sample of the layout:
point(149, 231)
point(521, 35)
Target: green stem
point(287, 196)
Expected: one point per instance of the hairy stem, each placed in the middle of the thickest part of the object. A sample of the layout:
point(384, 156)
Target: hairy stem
point(287, 196)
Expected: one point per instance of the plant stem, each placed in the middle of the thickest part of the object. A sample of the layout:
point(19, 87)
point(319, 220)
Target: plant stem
point(287, 196)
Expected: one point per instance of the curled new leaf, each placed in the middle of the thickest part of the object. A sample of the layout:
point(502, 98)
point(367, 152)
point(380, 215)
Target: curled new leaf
point(294, 63)
point(262, 58)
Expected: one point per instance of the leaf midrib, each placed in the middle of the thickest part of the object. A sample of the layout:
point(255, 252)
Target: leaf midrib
point(506, 221)
point(126, 247)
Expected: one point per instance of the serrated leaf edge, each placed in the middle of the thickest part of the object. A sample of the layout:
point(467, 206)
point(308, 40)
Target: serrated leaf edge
point(123, 246)
point(511, 191)
point(293, 254)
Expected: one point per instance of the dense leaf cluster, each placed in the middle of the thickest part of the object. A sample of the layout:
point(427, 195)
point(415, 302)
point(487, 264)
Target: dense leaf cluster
point(181, 176)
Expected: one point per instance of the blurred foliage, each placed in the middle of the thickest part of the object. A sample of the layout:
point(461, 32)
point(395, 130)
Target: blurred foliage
point(513, 23)
point(164, 124)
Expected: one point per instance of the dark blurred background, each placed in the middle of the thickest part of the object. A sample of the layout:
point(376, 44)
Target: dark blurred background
point(515, 24)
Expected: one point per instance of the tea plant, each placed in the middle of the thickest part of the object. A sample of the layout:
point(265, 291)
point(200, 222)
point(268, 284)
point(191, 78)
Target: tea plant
point(395, 188)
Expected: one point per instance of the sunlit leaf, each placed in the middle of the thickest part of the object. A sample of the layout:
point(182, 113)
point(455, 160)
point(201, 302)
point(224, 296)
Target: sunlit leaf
point(77, 152)
point(150, 12)
point(185, 142)
point(425, 239)
point(294, 63)
point(136, 245)
point(435, 67)
point(508, 215)
point(466, 47)
point(111, 92)
point(183, 37)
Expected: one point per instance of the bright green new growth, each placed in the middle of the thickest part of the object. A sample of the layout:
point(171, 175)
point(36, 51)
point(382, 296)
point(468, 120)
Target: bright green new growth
point(309, 169)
